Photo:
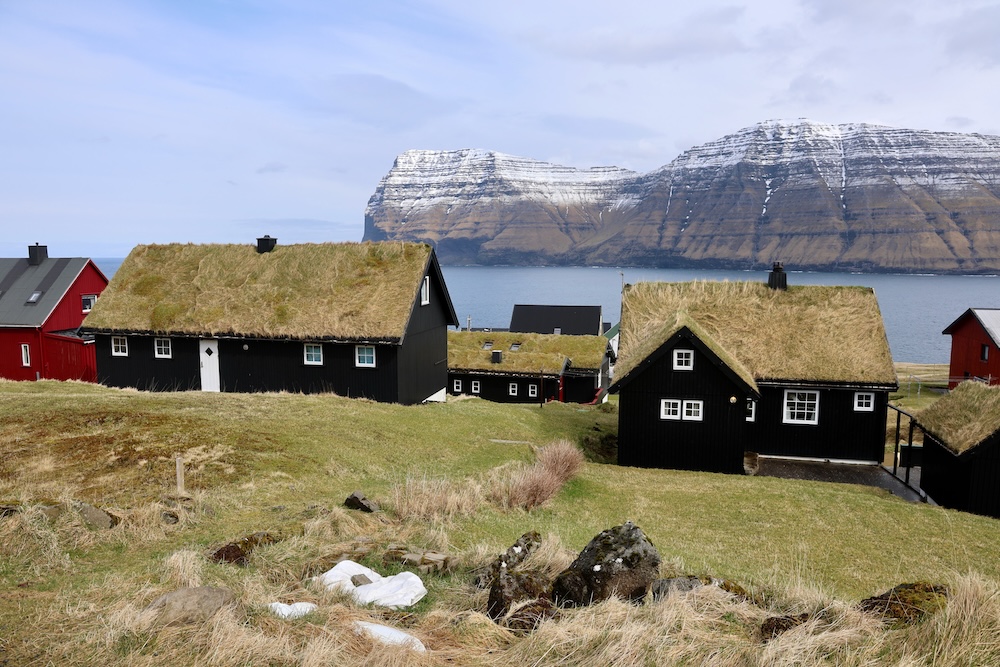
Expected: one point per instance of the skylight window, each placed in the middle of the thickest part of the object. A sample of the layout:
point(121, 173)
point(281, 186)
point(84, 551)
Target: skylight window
point(488, 345)
point(35, 296)
point(514, 347)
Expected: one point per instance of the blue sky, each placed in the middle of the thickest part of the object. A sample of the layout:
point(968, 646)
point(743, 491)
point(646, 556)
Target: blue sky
point(157, 121)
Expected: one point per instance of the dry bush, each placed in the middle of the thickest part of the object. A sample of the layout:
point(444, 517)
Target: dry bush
point(562, 459)
point(527, 487)
point(183, 568)
point(435, 499)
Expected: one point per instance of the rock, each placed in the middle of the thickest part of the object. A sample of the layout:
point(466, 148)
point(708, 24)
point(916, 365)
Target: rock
point(169, 517)
point(514, 556)
point(51, 511)
point(9, 509)
point(95, 517)
point(619, 561)
point(360, 580)
point(358, 501)
point(664, 588)
point(238, 552)
point(186, 606)
point(526, 618)
point(907, 603)
point(776, 625)
point(751, 463)
point(510, 588)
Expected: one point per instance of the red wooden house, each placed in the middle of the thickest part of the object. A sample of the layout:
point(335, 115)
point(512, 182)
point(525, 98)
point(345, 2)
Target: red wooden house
point(43, 301)
point(975, 346)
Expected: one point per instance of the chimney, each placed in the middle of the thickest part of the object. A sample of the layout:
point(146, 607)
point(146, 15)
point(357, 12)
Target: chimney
point(777, 279)
point(37, 254)
point(496, 356)
point(266, 244)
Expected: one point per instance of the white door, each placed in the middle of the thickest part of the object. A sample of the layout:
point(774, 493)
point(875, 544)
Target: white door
point(209, 354)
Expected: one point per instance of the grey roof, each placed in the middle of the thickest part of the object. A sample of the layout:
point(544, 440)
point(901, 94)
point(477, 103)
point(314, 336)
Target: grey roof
point(566, 320)
point(989, 318)
point(19, 280)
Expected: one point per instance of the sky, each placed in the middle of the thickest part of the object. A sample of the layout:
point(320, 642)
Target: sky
point(218, 121)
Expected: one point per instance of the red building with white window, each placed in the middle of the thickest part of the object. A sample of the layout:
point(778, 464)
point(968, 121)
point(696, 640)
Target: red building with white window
point(975, 346)
point(43, 301)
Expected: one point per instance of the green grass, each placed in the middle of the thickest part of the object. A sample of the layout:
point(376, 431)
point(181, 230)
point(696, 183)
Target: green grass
point(286, 462)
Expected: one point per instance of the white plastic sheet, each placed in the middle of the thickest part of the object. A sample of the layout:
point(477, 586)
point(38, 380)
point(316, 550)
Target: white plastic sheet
point(387, 635)
point(290, 611)
point(400, 590)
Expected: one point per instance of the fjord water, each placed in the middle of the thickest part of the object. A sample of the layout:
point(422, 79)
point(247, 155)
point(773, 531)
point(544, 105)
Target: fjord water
point(916, 308)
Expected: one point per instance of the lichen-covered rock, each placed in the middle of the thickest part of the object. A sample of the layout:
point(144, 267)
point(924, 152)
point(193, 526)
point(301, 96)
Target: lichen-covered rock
point(358, 501)
point(664, 588)
point(510, 559)
point(527, 617)
point(907, 603)
point(95, 517)
point(776, 625)
point(186, 606)
point(238, 552)
point(619, 561)
point(509, 588)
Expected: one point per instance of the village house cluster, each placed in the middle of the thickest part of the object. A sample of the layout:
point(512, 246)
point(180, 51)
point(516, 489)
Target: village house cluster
point(706, 372)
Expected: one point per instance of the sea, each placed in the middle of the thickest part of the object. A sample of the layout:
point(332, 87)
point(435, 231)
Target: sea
point(915, 308)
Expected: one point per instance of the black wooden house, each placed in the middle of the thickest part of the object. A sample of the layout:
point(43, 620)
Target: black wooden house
point(558, 320)
point(710, 370)
point(360, 320)
point(511, 367)
point(961, 453)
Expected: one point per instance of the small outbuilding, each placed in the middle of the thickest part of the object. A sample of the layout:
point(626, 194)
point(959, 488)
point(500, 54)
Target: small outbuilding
point(43, 301)
point(558, 320)
point(975, 346)
point(961, 453)
point(509, 367)
point(710, 370)
point(366, 320)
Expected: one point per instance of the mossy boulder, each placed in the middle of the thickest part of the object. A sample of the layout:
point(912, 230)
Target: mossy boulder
point(907, 604)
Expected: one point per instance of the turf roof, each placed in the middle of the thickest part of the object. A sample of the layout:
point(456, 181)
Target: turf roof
point(807, 333)
point(964, 418)
point(356, 291)
point(543, 353)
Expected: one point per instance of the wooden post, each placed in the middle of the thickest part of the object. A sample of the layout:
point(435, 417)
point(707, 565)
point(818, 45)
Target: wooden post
point(180, 477)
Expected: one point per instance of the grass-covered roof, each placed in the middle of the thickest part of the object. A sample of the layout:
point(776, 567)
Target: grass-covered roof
point(808, 332)
point(536, 353)
point(967, 416)
point(306, 291)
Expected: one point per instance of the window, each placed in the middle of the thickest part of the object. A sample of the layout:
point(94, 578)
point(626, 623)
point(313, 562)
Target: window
point(512, 389)
point(692, 411)
point(35, 296)
point(364, 356)
point(456, 386)
point(161, 348)
point(312, 354)
point(984, 352)
point(751, 410)
point(670, 408)
point(532, 391)
point(683, 360)
point(475, 386)
point(514, 347)
point(119, 346)
point(864, 401)
point(488, 345)
point(425, 291)
point(801, 407)
point(557, 331)
point(88, 301)
point(25, 354)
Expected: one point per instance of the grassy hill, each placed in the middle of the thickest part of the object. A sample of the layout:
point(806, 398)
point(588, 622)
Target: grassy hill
point(284, 463)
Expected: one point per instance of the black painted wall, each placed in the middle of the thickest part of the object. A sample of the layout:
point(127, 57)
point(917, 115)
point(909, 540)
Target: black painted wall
point(969, 482)
point(142, 370)
point(423, 355)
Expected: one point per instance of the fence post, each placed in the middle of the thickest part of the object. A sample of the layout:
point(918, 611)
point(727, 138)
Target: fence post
point(180, 477)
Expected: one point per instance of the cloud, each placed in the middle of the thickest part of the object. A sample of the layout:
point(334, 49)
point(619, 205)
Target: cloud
point(272, 168)
point(973, 37)
point(605, 129)
point(960, 122)
point(378, 101)
point(303, 230)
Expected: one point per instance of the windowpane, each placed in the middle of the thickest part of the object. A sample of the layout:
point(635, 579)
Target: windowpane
point(670, 409)
point(751, 410)
point(683, 360)
point(456, 386)
point(313, 354)
point(692, 410)
point(864, 401)
point(512, 389)
point(365, 355)
point(425, 291)
point(88, 301)
point(119, 346)
point(161, 348)
point(475, 386)
point(801, 407)
point(532, 390)
point(25, 354)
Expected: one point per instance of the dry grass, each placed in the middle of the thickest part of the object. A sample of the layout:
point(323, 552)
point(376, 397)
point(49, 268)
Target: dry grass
point(815, 333)
point(538, 353)
point(965, 417)
point(310, 291)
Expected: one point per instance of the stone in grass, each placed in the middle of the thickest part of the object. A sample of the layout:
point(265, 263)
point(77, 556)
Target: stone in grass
point(777, 625)
point(95, 517)
point(358, 501)
point(619, 561)
point(664, 588)
point(510, 559)
point(186, 606)
point(907, 603)
point(238, 552)
point(526, 618)
point(511, 587)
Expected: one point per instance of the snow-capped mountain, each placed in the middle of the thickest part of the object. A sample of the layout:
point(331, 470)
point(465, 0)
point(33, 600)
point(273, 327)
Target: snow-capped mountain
point(812, 195)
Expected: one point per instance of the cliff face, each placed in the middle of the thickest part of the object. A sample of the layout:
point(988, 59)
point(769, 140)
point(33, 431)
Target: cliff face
point(814, 196)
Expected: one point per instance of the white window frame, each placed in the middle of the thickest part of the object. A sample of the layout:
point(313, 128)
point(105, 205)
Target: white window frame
point(800, 401)
point(693, 411)
point(670, 408)
point(309, 356)
point(361, 356)
point(85, 299)
point(119, 346)
point(984, 352)
point(25, 355)
point(532, 391)
point(512, 389)
point(475, 386)
point(162, 348)
point(864, 401)
point(425, 291)
point(684, 360)
point(751, 410)
point(456, 386)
